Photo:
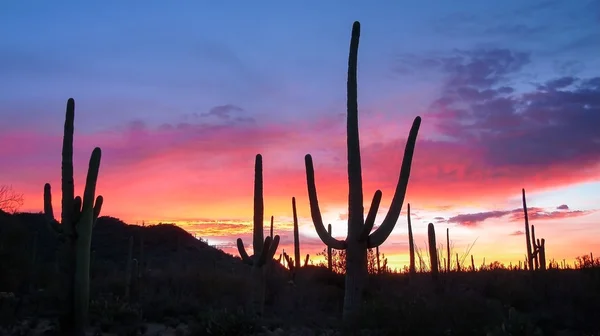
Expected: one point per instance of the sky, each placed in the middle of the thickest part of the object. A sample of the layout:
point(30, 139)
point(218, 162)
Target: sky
point(182, 95)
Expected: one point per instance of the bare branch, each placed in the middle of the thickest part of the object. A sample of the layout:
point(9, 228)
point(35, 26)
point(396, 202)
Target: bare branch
point(10, 200)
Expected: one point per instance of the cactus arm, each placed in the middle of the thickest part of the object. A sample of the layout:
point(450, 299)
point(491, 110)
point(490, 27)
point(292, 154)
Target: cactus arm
point(273, 247)
point(315, 212)
point(242, 251)
point(289, 262)
point(268, 251)
point(98, 207)
point(381, 234)
point(84, 241)
point(76, 214)
point(271, 231)
point(370, 220)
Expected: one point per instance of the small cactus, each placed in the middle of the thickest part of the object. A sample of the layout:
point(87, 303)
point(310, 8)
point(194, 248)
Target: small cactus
point(433, 256)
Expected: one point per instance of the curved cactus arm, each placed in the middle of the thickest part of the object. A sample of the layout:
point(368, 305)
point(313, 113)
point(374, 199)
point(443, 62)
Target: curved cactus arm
point(370, 220)
point(315, 212)
point(242, 251)
point(273, 247)
point(89, 193)
point(268, 251)
point(380, 235)
point(98, 207)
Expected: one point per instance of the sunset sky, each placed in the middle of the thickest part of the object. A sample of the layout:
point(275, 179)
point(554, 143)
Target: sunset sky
point(181, 96)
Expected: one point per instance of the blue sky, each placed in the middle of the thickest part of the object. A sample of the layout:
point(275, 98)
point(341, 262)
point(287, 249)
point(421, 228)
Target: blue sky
point(508, 91)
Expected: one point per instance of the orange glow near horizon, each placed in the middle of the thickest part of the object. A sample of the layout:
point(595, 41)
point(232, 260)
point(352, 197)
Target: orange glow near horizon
point(201, 177)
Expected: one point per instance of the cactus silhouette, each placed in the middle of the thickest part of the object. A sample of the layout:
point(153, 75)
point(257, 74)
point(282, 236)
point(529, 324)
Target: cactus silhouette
point(359, 237)
point(264, 248)
point(411, 243)
point(329, 261)
point(296, 235)
point(527, 236)
point(433, 254)
point(536, 248)
point(74, 231)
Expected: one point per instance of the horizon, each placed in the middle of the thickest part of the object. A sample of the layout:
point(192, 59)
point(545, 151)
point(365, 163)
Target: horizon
point(182, 97)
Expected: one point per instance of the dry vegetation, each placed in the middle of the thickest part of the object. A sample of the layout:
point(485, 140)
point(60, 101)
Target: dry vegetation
point(187, 287)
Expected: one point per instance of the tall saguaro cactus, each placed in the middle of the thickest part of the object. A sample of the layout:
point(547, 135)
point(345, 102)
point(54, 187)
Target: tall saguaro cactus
point(74, 232)
point(359, 237)
point(264, 248)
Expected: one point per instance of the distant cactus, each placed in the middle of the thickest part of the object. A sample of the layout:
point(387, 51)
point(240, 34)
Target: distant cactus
point(433, 256)
point(527, 236)
point(359, 237)
point(536, 248)
point(449, 260)
point(411, 243)
point(296, 235)
point(74, 231)
point(329, 261)
point(264, 248)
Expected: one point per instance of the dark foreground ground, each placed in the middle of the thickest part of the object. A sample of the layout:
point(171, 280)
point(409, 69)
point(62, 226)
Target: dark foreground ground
point(189, 288)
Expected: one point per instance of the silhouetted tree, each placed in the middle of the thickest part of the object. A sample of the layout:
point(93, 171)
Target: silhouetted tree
point(10, 200)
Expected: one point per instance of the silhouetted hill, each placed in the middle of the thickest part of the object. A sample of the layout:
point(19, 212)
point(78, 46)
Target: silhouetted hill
point(165, 245)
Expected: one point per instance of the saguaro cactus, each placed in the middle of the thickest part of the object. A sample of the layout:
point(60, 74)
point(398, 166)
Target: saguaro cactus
point(527, 236)
point(329, 261)
point(74, 231)
point(411, 243)
point(536, 249)
point(264, 248)
point(433, 254)
point(296, 235)
point(448, 250)
point(359, 237)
